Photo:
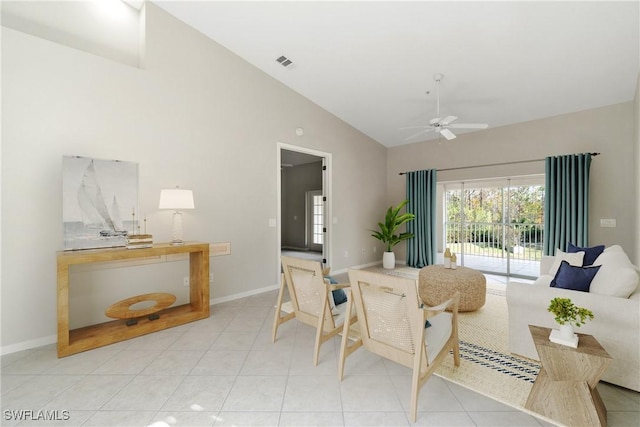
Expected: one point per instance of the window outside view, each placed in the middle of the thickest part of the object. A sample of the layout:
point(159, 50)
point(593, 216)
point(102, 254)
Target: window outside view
point(496, 229)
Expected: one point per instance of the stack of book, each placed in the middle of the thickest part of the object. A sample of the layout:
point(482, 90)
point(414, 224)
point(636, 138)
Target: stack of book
point(139, 241)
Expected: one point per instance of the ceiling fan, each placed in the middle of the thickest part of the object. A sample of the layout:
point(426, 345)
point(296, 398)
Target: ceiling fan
point(443, 125)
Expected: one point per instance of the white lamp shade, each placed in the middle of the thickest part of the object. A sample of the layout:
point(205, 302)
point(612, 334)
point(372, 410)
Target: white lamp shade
point(176, 198)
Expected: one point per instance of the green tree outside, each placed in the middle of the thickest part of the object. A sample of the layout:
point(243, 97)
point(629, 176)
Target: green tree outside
point(486, 228)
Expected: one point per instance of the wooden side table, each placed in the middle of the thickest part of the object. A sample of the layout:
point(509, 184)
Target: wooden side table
point(565, 388)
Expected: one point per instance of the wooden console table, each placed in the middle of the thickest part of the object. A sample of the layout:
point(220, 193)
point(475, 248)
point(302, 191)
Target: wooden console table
point(86, 338)
point(565, 389)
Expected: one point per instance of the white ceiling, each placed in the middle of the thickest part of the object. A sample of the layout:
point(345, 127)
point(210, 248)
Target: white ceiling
point(370, 63)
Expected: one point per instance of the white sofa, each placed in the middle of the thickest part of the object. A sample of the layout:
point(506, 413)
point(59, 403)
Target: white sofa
point(616, 325)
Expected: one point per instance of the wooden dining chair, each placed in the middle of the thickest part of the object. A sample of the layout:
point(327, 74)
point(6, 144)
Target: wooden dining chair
point(392, 322)
point(311, 301)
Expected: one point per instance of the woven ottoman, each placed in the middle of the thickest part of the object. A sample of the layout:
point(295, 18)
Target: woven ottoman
point(437, 284)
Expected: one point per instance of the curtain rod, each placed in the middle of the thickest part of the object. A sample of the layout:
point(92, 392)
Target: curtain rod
point(493, 164)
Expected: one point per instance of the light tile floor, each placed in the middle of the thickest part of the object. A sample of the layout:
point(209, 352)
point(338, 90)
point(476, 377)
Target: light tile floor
point(225, 371)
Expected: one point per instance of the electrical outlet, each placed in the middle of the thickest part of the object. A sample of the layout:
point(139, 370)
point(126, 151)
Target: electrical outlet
point(346, 254)
point(185, 281)
point(211, 278)
point(608, 222)
point(374, 250)
point(364, 251)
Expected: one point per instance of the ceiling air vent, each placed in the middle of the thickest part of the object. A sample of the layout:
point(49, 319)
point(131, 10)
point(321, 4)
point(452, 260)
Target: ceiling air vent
point(284, 61)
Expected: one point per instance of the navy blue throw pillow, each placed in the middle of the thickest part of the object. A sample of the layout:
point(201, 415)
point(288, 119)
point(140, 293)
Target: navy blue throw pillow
point(339, 296)
point(574, 278)
point(590, 254)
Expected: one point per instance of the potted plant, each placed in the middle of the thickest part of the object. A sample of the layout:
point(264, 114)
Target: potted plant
point(387, 234)
point(567, 314)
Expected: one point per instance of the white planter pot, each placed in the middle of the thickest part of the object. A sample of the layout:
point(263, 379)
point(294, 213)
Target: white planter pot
point(564, 335)
point(388, 260)
point(566, 331)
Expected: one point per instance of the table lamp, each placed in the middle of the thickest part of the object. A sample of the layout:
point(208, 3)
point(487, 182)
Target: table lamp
point(176, 199)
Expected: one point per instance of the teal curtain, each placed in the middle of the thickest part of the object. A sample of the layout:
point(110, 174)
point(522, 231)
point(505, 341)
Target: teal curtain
point(566, 207)
point(421, 193)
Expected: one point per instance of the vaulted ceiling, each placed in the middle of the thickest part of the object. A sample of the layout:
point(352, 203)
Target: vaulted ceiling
point(371, 63)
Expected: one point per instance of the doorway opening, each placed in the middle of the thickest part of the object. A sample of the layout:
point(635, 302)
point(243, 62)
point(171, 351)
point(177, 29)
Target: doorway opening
point(303, 203)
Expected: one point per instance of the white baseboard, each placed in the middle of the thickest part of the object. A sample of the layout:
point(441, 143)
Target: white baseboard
point(252, 292)
point(362, 266)
point(26, 345)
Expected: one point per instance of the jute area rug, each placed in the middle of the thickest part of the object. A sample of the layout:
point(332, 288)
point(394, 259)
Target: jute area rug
point(486, 366)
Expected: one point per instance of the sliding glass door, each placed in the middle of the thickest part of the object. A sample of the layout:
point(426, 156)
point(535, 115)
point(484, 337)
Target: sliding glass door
point(496, 226)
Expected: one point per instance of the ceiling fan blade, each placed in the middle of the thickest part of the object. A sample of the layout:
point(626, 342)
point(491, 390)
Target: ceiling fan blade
point(469, 126)
point(447, 134)
point(448, 120)
point(419, 133)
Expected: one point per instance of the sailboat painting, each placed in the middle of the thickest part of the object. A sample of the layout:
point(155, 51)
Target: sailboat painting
point(97, 194)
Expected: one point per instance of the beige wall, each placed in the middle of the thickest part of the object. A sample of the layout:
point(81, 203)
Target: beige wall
point(608, 130)
point(196, 116)
point(637, 177)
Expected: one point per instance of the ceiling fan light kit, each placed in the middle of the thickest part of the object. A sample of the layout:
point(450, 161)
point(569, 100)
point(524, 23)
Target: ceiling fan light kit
point(443, 126)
